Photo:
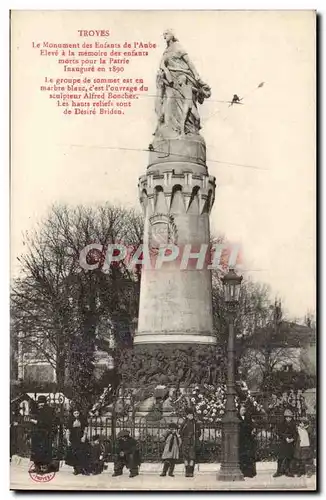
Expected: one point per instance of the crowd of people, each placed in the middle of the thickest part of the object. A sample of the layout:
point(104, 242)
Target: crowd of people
point(295, 456)
point(295, 446)
point(87, 455)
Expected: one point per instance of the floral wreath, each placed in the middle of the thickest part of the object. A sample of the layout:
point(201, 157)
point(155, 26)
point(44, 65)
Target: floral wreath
point(209, 401)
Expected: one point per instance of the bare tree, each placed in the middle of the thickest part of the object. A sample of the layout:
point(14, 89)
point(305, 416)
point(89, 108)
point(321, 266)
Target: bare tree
point(57, 306)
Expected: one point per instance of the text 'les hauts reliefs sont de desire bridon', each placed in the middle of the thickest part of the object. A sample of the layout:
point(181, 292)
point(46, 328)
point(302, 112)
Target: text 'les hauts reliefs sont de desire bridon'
point(96, 76)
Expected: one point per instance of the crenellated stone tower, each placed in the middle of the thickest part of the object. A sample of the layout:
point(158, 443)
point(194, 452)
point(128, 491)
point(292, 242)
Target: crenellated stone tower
point(177, 194)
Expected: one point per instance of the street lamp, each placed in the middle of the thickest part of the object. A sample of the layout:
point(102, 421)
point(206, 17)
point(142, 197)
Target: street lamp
point(230, 469)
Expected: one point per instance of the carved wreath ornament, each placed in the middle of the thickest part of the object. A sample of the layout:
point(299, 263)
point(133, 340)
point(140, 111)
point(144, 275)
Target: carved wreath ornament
point(163, 231)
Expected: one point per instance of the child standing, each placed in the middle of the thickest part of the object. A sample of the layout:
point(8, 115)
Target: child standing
point(303, 450)
point(190, 433)
point(171, 450)
point(96, 462)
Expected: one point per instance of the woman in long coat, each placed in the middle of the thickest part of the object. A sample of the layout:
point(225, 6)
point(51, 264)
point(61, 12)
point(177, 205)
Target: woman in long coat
point(247, 447)
point(171, 450)
point(77, 453)
point(190, 433)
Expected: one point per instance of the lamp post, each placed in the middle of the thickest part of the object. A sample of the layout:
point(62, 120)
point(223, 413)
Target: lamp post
point(230, 469)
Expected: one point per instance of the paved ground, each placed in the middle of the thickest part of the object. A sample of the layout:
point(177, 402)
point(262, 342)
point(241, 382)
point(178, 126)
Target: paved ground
point(205, 479)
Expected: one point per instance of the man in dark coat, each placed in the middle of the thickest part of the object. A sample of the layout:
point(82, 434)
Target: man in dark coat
point(190, 433)
point(43, 430)
point(128, 455)
point(288, 435)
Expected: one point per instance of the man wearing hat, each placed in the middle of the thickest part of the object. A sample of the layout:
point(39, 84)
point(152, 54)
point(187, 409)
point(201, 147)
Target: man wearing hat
point(44, 424)
point(288, 435)
point(127, 455)
point(190, 433)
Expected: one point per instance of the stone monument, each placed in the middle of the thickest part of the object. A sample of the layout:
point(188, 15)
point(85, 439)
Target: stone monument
point(176, 195)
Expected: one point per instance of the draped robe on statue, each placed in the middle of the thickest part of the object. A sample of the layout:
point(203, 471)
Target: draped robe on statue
point(179, 89)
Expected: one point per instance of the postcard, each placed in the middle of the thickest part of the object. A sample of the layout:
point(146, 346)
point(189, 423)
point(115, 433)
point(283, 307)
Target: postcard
point(163, 308)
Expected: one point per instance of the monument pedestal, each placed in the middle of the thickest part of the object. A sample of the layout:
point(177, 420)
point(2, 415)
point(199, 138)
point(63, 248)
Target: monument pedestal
point(177, 365)
point(176, 195)
point(189, 148)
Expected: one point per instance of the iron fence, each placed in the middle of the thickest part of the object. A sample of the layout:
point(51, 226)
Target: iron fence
point(150, 434)
point(151, 438)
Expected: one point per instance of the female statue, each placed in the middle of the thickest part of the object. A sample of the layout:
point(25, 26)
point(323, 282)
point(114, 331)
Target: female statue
point(179, 88)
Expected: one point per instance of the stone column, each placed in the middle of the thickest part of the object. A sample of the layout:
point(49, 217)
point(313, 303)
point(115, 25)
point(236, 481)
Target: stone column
point(177, 195)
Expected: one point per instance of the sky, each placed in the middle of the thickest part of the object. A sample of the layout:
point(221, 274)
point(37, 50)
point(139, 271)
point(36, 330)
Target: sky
point(269, 210)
